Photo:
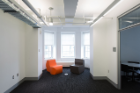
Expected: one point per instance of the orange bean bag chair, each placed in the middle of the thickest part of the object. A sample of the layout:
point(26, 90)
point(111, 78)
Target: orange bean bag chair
point(53, 68)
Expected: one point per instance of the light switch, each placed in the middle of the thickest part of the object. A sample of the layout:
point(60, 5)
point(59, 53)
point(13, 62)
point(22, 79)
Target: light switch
point(114, 49)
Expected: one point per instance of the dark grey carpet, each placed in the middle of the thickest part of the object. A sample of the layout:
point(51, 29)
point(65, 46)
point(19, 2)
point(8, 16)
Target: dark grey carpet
point(72, 83)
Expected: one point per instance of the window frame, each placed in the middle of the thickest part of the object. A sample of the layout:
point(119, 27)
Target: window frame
point(68, 45)
point(48, 51)
point(68, 51)
point(87, 51)
point(52, 46)
point(82, 45)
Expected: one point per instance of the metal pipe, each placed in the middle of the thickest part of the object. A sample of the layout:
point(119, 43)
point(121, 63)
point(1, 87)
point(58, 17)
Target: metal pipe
point(32, 8)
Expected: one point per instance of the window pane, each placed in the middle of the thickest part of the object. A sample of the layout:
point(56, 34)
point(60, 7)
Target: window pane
point(86, 38)
point(67, 39)
point(67, 45)
point(47, 52)
point(87, 48)
point(87, 54)
point(47, 48)
point(67, 51)
point(130, 19)
point(87, 51)
point(49, 38)
point(48, 44)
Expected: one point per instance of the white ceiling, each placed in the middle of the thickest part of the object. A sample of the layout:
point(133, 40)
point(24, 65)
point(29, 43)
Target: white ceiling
point(91, 9)
point(78, 11)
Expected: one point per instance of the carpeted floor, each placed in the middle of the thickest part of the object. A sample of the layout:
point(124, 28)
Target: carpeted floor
point(72, 83)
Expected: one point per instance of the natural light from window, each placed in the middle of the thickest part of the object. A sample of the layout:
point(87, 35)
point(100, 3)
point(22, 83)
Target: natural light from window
point(86, 44)
point(67, 45)
point(48, 44)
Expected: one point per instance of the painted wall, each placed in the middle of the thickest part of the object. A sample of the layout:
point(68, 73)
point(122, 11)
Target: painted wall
point(40, 58)
point(19, 44)
point(99, 49)
point(130, 45)
point(91, 51)
point(31, 52)
point(112, 62)
point(12, 51)
point(105, 37)
point(66, 62)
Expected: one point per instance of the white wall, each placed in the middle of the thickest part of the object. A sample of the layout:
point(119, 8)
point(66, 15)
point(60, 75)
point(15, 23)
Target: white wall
point(40, 58)
point(19, 45)
point(99, 49)
point(66, 62)
point(12, 50)
point(105, 38)
point(111, 33)
point(91, 51)
point(31, 52)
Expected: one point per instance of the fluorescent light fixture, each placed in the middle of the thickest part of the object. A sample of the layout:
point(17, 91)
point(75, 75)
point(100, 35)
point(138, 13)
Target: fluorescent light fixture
point(50, 24)
point(91, 21)
point(96, 21)
point(41, 23)
point(112, 8)
point(129, 21)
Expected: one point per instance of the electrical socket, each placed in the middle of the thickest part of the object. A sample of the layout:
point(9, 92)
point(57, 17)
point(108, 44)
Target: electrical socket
point(13, 77)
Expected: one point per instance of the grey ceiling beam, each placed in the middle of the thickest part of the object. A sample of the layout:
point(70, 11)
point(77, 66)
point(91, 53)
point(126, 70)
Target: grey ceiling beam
point(70, 9)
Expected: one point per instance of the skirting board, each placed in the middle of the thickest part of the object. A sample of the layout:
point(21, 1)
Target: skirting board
point(14, 86)
point(24, 79)
point(104, 78)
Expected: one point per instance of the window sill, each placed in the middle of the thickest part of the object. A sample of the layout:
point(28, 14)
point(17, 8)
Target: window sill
point(85, 58)
point(67, 57)
point(48, 58)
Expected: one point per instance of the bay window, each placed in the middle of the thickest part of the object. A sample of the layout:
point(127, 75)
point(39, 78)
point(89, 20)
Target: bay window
point(48, 44)
point(67, 45)
point(86, 44)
